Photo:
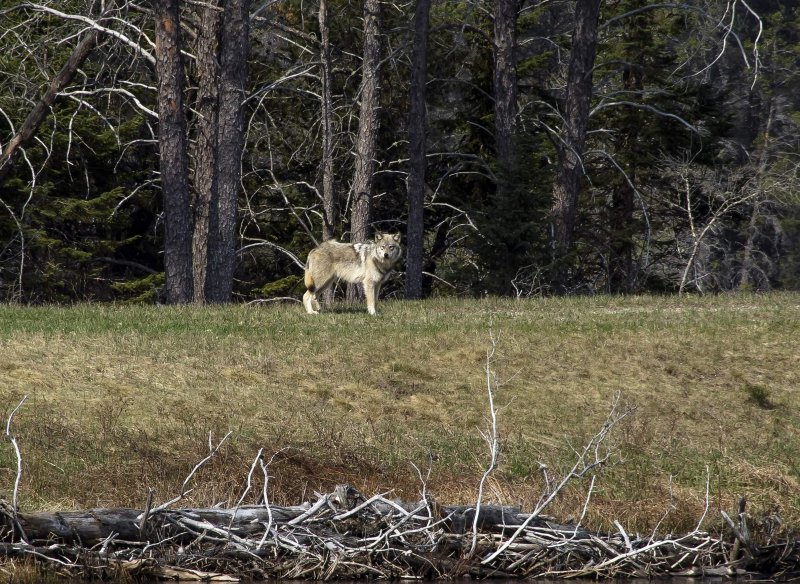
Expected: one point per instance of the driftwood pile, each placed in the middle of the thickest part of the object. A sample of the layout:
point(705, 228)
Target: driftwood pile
point(346, 535)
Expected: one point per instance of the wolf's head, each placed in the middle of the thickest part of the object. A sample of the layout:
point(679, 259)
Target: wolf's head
point(387, 246)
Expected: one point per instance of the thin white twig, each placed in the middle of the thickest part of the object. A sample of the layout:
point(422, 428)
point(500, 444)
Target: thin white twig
point(94, 25)
point(579, 469)
point(184, 490)
point(491, 440)
point(18, 454)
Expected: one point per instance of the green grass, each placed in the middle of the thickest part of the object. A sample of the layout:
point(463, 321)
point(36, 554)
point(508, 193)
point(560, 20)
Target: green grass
point(122, 398)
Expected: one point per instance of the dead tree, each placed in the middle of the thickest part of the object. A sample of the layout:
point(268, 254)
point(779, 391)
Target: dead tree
point(345, 534)
point(65, 75)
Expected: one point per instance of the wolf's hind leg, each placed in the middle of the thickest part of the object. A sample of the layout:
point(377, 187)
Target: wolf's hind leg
point(311, 299)
point(310, 302)
point(321, 289)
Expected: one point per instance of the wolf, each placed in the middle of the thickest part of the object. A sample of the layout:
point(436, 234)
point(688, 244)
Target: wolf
point(369, 264)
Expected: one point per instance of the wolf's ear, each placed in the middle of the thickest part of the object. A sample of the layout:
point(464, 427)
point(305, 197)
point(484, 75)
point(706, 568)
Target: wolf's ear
point(396, 237)
point(378, 236)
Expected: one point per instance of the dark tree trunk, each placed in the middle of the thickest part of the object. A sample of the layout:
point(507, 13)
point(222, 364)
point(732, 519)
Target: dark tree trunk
point(621, 274)
point(505, 83)
point(230, 142)
point(505, 217)
point(417, 127)
point(205, 148)
point(328, 194)
point(173, 155)
point(573, 136)
point(367, 138)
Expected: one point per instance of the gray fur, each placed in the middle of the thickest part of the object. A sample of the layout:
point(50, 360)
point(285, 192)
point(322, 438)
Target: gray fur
point(369, 264)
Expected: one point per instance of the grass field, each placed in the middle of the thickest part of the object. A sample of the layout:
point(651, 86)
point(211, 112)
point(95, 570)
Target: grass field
point(123, 398)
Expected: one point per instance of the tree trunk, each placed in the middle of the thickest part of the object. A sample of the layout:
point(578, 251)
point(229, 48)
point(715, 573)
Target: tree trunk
point(621, 278)
point(505, 83)
point(366, 140)
point(328, 194)
point(368, 125)
point(505, 216)
point(173, 155)
point(205, 148)
point(230, 142)
point(573, 136)
point(417, 127)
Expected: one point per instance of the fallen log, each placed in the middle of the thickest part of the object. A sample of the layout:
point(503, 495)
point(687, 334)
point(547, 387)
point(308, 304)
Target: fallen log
point(87, 527)
point(346, 535)
point(96, 525)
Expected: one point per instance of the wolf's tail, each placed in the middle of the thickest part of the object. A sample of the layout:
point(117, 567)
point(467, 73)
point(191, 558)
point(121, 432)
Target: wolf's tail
point(309, 279)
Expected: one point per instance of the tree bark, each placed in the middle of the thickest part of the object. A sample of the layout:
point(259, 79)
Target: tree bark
point(173, 154)
point(573, 136)
point(230, 143)
point(417, 130)
point(205, 150)
point(505, 215)
point(328, 193)
point(367, 138)
point(505, 83)
point(621, 277)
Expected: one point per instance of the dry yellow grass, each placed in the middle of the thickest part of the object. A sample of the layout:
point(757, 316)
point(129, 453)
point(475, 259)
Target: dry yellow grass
point(123, 398)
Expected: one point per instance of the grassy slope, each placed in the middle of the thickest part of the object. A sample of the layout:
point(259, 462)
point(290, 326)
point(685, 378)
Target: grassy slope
point(123, 398)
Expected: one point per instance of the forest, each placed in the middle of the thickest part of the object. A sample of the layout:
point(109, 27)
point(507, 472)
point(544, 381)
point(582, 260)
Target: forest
point(195, 151)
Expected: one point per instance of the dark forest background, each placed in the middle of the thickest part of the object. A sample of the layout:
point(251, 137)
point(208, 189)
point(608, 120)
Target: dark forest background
point(523, 147)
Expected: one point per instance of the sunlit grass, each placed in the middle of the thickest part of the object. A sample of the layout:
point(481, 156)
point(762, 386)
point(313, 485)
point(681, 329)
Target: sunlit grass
point(122, 398)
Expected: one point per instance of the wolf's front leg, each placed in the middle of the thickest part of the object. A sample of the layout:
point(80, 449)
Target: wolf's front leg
point(371, 292)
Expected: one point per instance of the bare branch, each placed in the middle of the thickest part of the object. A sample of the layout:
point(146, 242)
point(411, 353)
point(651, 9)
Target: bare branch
point(97, 26)
point(603, 105)
point(184, 490)
point(587, 460)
